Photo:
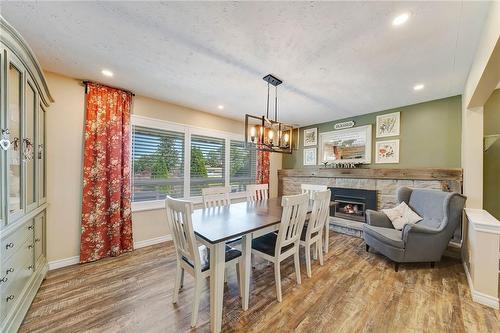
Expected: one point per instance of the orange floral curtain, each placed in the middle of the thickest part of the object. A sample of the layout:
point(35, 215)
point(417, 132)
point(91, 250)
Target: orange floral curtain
point(262, 167)
point(106, 213)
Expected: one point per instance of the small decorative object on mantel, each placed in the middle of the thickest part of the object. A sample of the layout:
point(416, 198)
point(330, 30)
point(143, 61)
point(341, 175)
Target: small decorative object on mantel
point(344, 124)
point(309, 156)
point(388, 125)
point(342, 165)
point(387, 151)
point(310, 137)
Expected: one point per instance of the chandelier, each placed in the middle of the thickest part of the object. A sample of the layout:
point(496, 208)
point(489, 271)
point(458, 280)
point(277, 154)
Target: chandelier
point(265, 133)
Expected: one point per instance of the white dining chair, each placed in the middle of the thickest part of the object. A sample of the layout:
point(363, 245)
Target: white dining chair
point(312, 233)
point(256, 192)
point(190, 257)
point(216, 196)
point(276, 247)
point(312, 188)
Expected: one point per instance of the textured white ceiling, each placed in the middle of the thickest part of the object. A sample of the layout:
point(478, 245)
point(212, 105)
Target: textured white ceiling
point(336, 59)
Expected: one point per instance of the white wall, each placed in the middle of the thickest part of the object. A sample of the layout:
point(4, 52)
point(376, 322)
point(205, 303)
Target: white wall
point(479, 85)
point(65, 124)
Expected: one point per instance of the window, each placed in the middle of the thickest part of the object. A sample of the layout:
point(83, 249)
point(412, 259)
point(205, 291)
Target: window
point(207, 163)
point(158, 164)
point(177, 160)
point(243, 165)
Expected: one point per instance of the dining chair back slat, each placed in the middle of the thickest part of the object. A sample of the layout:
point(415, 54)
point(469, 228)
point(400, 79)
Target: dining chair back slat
point(216, 196)
point(319, 213)
point(292, 220)
point(181, 227)
point(256, 192)
point(312, 188)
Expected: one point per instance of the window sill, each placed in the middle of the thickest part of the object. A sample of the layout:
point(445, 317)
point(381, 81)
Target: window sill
point(142, 206)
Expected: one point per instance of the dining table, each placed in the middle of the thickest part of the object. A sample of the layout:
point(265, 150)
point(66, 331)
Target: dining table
point(215, 226)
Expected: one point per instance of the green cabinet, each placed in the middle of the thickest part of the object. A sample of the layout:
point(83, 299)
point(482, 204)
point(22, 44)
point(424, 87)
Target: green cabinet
point(24, 101)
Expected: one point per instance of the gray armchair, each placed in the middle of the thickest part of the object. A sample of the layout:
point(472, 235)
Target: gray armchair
point(425, 241)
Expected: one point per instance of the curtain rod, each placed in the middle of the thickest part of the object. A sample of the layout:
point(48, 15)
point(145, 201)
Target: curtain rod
point(85, 82)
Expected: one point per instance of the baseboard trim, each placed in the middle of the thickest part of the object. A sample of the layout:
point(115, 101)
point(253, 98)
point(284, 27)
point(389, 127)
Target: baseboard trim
point(478, 296)
point(152, 241)
point(137, 245)
point(63, 262)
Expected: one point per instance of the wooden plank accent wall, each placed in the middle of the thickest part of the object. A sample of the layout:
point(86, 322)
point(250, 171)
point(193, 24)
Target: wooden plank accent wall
point(421, 174)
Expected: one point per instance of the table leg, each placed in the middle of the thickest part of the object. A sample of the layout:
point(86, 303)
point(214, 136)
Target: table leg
point(217, 264)
point(246, 247)
point(327, 236)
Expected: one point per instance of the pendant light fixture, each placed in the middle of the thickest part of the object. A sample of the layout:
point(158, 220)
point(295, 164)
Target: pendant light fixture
point(265, 133)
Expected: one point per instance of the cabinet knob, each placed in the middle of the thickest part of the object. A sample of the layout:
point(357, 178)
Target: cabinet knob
point(10, 245)
point(10, 270)
point(30, 246)
point(30, 267)
point(4, 279)
point(30, 227)
point(37, 240)
point(9, 298)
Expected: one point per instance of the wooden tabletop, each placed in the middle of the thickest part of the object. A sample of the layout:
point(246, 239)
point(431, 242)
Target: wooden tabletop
point(223, 223)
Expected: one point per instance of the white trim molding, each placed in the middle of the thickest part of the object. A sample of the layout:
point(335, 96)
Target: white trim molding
point(137, 245)
point(63, 262)
point(152, 241)
point(478, 296)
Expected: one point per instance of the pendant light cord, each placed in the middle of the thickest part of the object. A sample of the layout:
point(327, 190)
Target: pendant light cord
point(267, 110)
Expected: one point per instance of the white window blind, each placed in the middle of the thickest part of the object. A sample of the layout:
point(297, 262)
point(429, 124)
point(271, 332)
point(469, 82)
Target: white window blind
point(243, 165)
point(158, 164)
point(207, 163)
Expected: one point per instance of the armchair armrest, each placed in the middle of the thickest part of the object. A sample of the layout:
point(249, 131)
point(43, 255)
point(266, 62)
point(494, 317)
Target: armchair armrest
point(378, 219)
point(417, 229)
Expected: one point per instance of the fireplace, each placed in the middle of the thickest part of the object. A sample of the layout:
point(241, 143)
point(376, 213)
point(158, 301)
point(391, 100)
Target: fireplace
point(352, 203)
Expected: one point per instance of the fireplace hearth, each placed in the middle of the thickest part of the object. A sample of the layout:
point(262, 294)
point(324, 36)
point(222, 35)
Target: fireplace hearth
point(352, 203)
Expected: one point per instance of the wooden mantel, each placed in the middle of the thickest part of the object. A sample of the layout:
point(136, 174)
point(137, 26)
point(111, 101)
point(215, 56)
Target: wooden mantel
point(373, 173)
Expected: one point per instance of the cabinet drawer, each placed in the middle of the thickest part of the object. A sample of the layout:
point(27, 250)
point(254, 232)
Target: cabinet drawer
point(39, 232)
point(17, 262)
point(11, 243)
point(11, 293)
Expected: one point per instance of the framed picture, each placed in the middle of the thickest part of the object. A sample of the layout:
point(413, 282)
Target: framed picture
point(388, 125)
point(310, 156)
point(387, 151)
point(310, 137)
point(351, 145)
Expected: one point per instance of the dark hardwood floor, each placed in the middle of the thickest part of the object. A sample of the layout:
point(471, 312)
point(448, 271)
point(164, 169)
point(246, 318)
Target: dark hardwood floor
point(354, 291)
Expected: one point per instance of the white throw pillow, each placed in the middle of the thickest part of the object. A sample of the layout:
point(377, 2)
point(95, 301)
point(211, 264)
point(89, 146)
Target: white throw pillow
point(401, 215)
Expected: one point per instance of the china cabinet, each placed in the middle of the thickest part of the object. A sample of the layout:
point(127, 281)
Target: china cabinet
point(24, 99)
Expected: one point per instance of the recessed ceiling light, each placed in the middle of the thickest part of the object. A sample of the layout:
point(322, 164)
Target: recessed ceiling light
point(107, 72)
point(419, 86)
point(220, 107)
point(401, 19)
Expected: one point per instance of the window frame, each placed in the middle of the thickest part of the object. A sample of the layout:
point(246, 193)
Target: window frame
point(188, 130)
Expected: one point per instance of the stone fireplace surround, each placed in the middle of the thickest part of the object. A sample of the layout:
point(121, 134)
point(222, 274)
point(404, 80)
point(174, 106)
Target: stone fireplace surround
point(384, 181)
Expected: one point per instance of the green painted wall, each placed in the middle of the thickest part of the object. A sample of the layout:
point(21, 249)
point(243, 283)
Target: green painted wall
point(430, 135)
point(491, 177)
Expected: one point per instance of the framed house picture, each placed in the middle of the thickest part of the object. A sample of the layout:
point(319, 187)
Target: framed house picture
point(388, 124)
point(387, 151)
point(310, 137)
point(309, 156)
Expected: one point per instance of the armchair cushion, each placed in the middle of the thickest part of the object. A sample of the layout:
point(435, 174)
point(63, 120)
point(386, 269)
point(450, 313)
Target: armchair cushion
point(389, 236)
point(401, 215)
point(378, 219)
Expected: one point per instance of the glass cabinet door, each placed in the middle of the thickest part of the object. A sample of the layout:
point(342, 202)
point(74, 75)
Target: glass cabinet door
point(29, 144)
point(14, 156)
point(42, 192)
